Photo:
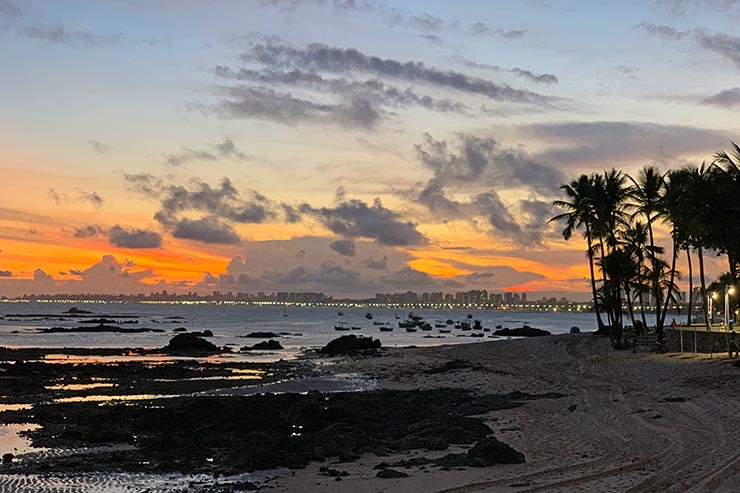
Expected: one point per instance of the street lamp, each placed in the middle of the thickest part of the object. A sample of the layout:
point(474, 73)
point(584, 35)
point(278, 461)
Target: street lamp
point(711, 307)
point(728, 291)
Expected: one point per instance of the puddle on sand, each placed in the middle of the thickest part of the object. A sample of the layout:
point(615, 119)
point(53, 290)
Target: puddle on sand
point(12, 442)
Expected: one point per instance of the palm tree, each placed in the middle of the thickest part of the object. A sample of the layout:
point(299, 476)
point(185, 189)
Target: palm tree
point(647, 198)
point(634, 240)
point(580, 212)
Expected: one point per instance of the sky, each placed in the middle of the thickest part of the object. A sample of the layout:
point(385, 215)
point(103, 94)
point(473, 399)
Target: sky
point(344, 146)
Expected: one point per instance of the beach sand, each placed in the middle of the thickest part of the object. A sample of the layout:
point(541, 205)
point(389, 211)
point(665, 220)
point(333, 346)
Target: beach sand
point(630, 422)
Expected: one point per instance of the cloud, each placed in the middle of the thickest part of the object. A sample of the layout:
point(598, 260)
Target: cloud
point(484, 161)
point(99, 147)
point(409, 278)
point(5, 273)
point(371, 263)
point(722, 44)
point(80, 196)
point(224, 150)
point(729, 98)
point(527, 74)
point(479, 29)
point(344, 247)
point(61, 35)
point(594, 143)
point(380, 94)
point(426, 22)
point(207, 230)
point(134, 238)
point(324, 58)
point(89, 231)
point(9, 9)
point(354, 218)
point(328, 272)
point(664, 32)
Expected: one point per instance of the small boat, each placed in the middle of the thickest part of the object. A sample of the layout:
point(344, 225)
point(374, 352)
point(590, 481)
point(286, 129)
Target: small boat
point(440, 324)
point(410, 329)
point(369, 316)
point(426, 327)
point(406, 324)
point(465, 326)
point(458, 325)
point(477, 325)
point(398, 318)
point(498, 326)
point(340, 314)
point(476, 335)
point(378, 323)
point(386, 329)
point(450, 321)
point(469, 316)
point(355, 327)
point(486, 330)
point(445, 331)
point(341, 326)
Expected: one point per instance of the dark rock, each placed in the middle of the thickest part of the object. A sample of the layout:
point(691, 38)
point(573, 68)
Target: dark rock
point(522, 332)
point(74, 309)
point(271, 345)
point(180, 329)
point(572, 407)
point(391, 474)
point(350, 344)
point(188, 344)
point(326, 471)
point(205, 333)
point(489, 451)
point(8, 458)
point(575, 330)
point(262, 335)
point(98, 328)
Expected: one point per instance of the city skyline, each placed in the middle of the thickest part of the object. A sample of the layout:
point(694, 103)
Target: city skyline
point(334, 146)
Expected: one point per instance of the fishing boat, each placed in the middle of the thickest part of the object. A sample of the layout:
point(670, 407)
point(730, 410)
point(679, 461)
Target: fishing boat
point(378, 323)
point(406, 324)
point(410, 329)
point(445, 331)
point(369, 316)
point(356, 327)
point(386, 329)
point(439, 324)
point(426, 327)
point(342, 326)
point(465, 325)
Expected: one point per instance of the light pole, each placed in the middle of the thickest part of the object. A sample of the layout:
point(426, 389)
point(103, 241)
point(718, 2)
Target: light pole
point(711, 308)
point(728, 291)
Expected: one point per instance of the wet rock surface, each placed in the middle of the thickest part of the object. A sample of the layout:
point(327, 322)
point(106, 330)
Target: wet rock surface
point(522, 332)
point(188, 344)
point(351, 344)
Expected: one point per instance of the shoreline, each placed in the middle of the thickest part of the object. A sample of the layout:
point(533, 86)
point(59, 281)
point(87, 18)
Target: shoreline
point(624, 420)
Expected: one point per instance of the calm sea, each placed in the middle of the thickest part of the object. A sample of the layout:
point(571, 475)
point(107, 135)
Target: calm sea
point(308, 327)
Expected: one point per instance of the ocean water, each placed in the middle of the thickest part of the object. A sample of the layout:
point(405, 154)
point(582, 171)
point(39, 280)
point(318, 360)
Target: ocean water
point(308, 327)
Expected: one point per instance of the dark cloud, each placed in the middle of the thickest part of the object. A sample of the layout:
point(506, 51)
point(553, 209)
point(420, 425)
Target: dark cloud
point(408, 278)
point(479, 29)
point(144, 183)
point(134, 238)
point(9, 9)
point(379, 93)
point(344, 247)
point(354, 218)
point(426, 22)
point(527, 74)
point(665, 32)
point(62, 35)
point(5, 273)
point(433, 38)
point(207, 230)
point(87, 231)
point(328, 272)
point(324, 58)
point(543, 78)
point(722, 44)
point(371, 263)
point(99, 147)
point(79, 196)
point(679, 8)
point(483, 161)
point(729, 98)
point(224, 150)
point(594, 143)
point(267, 104)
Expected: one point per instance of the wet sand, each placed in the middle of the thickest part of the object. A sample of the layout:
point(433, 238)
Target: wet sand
point(628, 422)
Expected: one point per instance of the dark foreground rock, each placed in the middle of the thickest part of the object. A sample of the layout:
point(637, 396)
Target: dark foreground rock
point(522, 332)
point(490, 451)
point(262, 335)
point(99, 328)
point(228, 435)
point(189, 345)
point(271, 345)
point(350, 344)
point(391, 474)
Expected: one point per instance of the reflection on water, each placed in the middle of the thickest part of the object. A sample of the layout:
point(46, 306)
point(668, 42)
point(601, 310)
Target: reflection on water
point(15, 407)
point(79, 386)
point(11, 441)
point(112, 399)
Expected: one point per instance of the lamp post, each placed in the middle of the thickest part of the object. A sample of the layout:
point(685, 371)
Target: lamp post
point(711, 307)
point(728, 291)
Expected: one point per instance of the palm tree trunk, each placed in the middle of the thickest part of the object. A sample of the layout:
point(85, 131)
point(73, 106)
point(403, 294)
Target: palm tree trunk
point(707, 317)
point(599, 322)
point(603, 275)
point(656, 278)
point(642, 308)
point(630, 307)
point(691, 285)
point(669, 290)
